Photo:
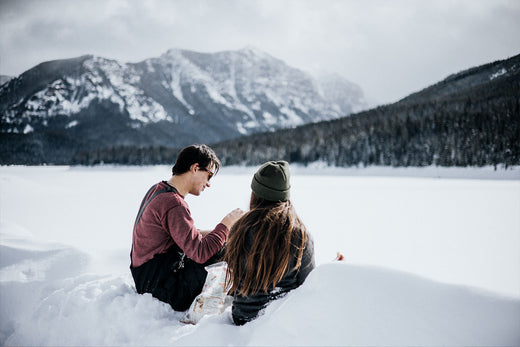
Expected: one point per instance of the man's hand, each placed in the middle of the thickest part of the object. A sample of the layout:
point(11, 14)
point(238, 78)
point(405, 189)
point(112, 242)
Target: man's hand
point(232, 217)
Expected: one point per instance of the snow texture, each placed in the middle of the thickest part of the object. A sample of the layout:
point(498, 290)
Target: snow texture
point(429, 260)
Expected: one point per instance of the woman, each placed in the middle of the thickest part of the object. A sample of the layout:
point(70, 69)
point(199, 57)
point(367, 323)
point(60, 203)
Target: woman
point(269, 251)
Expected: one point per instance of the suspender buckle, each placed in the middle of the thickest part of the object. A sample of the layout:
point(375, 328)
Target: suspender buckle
point(179, 264)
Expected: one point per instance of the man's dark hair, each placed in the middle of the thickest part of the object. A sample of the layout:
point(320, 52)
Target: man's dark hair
point(196, 154)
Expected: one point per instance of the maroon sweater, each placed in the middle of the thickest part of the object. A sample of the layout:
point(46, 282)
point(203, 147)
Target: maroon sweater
point(167, 220)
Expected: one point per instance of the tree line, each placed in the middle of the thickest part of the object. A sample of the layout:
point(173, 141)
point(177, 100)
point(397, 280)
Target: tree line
point(431, 134)
point(378, 137)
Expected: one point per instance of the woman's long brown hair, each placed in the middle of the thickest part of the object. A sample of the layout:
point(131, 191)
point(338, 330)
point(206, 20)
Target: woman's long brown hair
point(258, 249)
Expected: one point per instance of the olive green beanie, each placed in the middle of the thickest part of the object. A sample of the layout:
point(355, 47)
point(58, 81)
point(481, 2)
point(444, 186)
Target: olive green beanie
point(271, 181)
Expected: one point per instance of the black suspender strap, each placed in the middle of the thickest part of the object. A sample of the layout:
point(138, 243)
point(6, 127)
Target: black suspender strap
point(144, 204)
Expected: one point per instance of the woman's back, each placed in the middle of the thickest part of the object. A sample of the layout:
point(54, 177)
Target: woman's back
point(247, 307)
point(269, 251)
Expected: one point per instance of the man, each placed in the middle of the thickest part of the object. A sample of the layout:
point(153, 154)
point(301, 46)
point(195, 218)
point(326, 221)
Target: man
point(168, 253)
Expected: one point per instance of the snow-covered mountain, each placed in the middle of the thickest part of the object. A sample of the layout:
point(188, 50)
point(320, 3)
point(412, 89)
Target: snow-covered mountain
point(173, 100)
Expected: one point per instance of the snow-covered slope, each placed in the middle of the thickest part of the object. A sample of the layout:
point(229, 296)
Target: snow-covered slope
point(65, 235)
point(46, 300)
point(192, 96)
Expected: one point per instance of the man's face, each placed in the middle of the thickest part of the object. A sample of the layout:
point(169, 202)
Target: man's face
point(201, 177)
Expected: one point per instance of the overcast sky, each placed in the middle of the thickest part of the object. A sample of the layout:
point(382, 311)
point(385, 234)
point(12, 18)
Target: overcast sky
point(390, 48)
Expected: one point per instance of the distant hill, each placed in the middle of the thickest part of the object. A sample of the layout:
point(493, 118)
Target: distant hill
point(59, 109)
point(471, 118)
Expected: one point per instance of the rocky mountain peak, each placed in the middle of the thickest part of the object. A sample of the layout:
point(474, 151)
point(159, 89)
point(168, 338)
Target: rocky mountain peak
point(175, 99)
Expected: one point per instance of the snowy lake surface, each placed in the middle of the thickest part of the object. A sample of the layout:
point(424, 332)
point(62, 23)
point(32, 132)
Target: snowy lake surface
point(432, 257)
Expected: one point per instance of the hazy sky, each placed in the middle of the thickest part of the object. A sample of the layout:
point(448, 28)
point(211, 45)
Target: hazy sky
point(391, 48)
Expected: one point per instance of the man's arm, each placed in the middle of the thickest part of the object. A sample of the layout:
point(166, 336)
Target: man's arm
point(204, 232)
point(228, 220)
point(198, 247)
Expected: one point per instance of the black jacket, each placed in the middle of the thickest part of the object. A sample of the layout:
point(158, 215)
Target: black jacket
point(246, 308)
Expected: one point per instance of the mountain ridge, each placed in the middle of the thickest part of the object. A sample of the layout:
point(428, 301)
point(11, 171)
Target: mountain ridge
point(175, 99)
point(475, 122)
point(470, 78)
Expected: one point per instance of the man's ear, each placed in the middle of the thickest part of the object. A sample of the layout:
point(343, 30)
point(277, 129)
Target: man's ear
point(193, 167)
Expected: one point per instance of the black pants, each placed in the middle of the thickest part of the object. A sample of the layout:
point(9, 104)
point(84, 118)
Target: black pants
point(162, 277)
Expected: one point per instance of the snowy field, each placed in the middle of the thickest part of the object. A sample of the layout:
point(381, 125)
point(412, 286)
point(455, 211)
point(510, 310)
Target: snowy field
point(432, 257)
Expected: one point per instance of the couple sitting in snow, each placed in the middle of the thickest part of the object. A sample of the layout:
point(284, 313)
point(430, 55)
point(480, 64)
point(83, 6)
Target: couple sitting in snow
point(268, 250)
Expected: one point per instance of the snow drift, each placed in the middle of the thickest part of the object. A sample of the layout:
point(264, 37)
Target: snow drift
point(47, 301)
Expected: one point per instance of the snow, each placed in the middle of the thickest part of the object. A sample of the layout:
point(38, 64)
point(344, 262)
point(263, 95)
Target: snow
point(28, 129)
point(72, 124)
point(124, 90)
point(241, 129)
point(499, 73)
point(177, 90)
point(220, 87)
point(64, 98)
point(292, 117)
point(269, 119)
point(432, 258)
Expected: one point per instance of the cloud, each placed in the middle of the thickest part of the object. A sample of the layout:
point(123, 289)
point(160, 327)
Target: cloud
point(390, 48)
